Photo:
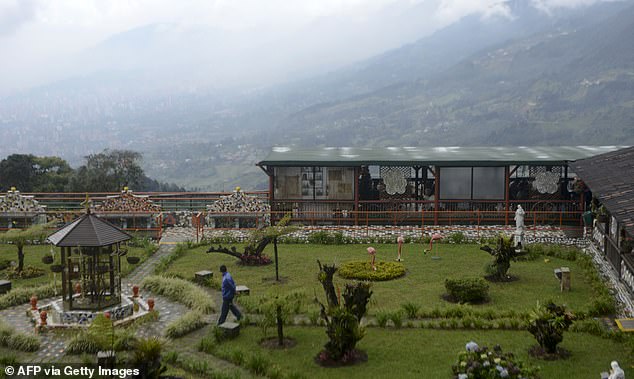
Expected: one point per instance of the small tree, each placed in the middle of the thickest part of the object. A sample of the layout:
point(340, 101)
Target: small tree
point(547, 323)
point(342, 320)
point(22, 237)
point(504, 253)
point(253, 253)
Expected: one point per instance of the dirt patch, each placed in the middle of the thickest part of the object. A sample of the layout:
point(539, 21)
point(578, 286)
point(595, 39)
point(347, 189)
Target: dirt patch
point(355, 357)
point(539, 352)
point(272, 343)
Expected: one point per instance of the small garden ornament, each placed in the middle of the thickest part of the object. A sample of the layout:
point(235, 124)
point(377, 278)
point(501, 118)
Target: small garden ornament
point(434, 238)
point(400, 240)
point(372, 253)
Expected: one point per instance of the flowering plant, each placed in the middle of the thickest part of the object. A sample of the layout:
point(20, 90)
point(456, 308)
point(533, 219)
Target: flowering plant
point(480, 363)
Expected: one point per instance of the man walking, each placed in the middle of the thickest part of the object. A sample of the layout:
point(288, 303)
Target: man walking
point(228, 293)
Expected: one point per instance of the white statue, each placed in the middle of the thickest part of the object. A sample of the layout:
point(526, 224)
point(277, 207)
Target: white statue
point(616, 372)
point(519, 218)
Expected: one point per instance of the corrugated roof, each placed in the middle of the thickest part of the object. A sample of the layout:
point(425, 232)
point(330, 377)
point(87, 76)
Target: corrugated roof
point(610, 177)
point(88, 230)
point(448, 156)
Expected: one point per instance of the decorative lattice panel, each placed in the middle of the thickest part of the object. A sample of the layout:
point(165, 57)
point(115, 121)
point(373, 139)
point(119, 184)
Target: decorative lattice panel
point(395, 179)
point(546, 178)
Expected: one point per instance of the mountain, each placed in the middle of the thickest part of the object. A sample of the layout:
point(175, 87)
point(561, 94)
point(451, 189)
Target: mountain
point(572, 83)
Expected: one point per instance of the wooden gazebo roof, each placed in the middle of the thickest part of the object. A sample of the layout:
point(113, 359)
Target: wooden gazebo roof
point(88, 230)
point(610, 177)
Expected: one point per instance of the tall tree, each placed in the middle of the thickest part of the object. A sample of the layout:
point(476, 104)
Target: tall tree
point(109, 171)
point(22, 237)
point(18, 170)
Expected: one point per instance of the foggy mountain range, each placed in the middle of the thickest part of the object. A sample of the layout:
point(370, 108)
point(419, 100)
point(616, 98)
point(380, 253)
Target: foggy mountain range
point(519, 75)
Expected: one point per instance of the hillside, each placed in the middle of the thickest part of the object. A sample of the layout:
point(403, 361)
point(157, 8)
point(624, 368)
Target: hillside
point(572, 84)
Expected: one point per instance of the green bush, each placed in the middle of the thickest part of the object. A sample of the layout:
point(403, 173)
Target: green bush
point(26, 273)
point(382, 317)
point(14, 340)
point(258, 364)
point(180, 291)
point(362, 270)
point(457, 238)
point(82, 342)
point(397, 319)
point(468, 290)
point(22, 295)
point(411, 310)
point(185, 324)
point(479, 363)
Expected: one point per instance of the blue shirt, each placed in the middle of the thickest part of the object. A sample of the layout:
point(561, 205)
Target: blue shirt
point(228, 286)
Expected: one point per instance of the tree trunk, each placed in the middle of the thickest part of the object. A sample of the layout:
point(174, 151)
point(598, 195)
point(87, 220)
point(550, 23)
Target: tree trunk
point(280, 327)
point(277, 275)
point(20, 258)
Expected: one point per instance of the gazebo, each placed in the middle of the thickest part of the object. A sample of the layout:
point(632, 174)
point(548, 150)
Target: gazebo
point(90, 263)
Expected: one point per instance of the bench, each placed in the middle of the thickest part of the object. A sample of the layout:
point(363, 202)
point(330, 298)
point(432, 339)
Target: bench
point(242, 290)
point(203, 277)
point(230, 329)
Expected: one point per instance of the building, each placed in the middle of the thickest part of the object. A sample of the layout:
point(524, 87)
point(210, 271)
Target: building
point(426, 185)
point(610, 177)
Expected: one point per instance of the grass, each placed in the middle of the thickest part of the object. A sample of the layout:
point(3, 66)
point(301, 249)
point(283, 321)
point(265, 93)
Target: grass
point(422, 285)
point(424, 353)
point(33, 257)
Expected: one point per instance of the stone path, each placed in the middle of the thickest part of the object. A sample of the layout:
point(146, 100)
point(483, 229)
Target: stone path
point(622, 295)
point(53, 344)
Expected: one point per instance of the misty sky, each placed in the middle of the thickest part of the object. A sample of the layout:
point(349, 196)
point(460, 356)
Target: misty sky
point(47, 40)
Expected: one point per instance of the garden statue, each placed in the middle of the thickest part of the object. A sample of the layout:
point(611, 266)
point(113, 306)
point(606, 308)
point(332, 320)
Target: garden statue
point(434, 238)
point(519, 227)
point(519, 218)
point(372, 253)
point(400, 240)
point(616, 372)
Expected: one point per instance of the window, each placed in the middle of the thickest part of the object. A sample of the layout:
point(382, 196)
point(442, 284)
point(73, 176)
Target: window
point(473, 183)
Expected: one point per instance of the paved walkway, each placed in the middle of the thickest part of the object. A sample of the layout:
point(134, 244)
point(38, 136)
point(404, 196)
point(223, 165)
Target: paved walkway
point(53, 345)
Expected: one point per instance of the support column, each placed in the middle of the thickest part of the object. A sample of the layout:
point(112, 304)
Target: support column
point(437, 193)
point(507, 182)
point(357, 173)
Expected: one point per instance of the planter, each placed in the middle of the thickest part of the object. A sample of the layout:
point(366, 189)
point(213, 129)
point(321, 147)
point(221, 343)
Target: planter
point(47, 259)
point(57, 268)
point(133, 260)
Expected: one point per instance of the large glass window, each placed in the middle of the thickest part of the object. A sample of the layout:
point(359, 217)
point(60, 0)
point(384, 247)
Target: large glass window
point(455, 183)
point(488, 183)
point(340, 185)
point(287, 183)
point(477, 183)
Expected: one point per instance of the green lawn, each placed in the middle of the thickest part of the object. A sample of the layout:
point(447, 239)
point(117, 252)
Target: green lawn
point(33, 257)
point(422, 285)
point(423, 353)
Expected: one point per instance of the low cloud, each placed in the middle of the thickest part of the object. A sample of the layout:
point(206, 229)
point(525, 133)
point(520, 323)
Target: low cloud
point(14, 14)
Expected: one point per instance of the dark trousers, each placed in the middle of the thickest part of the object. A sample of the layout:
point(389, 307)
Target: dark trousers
point(227, 305)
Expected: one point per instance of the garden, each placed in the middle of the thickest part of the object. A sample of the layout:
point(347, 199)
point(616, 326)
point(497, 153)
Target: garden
point(460, 310)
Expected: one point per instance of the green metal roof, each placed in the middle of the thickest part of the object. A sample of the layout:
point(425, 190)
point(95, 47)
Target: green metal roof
point(441, 156)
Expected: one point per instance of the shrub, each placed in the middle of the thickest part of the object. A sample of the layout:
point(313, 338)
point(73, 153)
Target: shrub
point(185, 324)
point(480, 363)
point(503, 254)
point(181, 291)
point(468, 290)
point(397, 319)
point(17, 341)
point(257, 364)
point(457, 238)
point(547, 323)
point(4, 263)
point(362, 270)
point(82, 342)
point(411, 310)
point(382, 318)
point(22, 295)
